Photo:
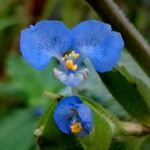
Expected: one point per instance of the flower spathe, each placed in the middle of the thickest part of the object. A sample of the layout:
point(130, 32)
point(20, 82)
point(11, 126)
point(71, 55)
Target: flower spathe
point(92, 39)
point(72, 116)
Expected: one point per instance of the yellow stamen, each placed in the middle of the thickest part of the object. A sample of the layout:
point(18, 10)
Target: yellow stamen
point(74, 55)
point(69, 60)
point(76, 127)
point(70, 65)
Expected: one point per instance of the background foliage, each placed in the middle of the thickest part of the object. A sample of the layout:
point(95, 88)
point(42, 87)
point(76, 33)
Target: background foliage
point(22, 87)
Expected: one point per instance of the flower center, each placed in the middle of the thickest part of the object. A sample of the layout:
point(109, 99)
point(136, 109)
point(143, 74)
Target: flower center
point(71, 65)
point(69, 60)
point(76, 127)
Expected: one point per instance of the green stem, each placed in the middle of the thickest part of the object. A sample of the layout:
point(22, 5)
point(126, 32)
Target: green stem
point(134, 41)
point(74, 91)
point(53, 95)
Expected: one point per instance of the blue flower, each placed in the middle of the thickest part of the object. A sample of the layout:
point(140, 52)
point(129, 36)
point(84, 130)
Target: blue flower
point(90, 39)
point(72, 116)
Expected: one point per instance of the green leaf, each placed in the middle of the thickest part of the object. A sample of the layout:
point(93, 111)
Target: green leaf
point(132, 143)
point(103, 128)
point(21, 75)
point(130, 92)
point(7, 22)
point(11, 97)
point(16, 130)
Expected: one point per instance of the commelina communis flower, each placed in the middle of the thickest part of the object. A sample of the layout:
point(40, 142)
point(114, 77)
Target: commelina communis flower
point(89, 39)
point(73, 117)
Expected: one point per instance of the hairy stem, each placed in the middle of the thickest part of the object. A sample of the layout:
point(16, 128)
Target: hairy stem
point(135, 129)
point(134, 41)
point(50, 95)
point(74, 91)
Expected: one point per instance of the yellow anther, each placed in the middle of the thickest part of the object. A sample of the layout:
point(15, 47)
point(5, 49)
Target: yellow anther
point(74, 54)
point(76, 127)
point(70, 65)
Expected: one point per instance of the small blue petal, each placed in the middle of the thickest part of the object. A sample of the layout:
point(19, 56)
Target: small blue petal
point(71, 110)
point(41, 42)
point(86, 117)
point(70, 101)
point(62, 117)
point(64, 112)
point(97, 41)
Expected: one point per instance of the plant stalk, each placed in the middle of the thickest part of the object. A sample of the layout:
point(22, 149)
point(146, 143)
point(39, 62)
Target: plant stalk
point(134, 41)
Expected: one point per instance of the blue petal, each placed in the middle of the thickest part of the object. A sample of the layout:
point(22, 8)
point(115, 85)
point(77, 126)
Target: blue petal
point(85, 114)
point(41, 42)
point(107, 55)
point(97, 41)
point(70, 101)
point(64, 112)
point(89, 34)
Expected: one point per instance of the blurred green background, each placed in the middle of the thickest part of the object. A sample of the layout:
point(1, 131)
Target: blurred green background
point(22, 87)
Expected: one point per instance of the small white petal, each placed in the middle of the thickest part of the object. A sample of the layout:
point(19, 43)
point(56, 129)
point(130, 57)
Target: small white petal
point(71, 79)
point(85, 73)
point(60, 75)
